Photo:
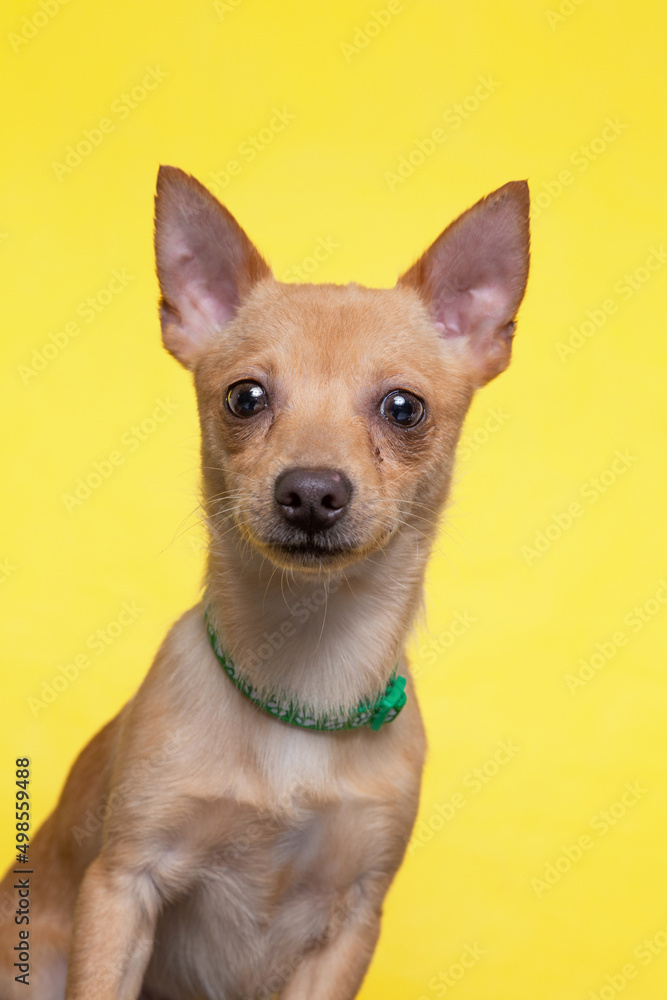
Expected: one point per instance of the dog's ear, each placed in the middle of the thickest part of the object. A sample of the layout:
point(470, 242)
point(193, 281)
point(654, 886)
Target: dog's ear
point(473, 277)
point(205, 264)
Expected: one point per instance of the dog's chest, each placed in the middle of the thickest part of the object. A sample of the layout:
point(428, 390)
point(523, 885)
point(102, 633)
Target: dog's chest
point(293, 848)
point(274, 885)
point(274, 850)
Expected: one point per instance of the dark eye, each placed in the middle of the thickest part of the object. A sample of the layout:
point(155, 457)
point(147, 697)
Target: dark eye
point(402, 408)
point(246, 399)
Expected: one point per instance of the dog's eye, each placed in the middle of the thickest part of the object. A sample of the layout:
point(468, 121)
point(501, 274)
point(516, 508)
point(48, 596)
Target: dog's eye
point(246, 399)
point(402, 408)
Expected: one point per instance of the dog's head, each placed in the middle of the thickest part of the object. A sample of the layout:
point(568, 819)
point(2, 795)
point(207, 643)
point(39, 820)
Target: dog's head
point(330, 414)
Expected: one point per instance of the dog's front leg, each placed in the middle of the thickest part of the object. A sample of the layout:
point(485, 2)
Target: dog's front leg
point(113, 933)
point(335, 970)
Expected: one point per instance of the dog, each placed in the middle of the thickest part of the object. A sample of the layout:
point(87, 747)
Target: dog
point(256, 796)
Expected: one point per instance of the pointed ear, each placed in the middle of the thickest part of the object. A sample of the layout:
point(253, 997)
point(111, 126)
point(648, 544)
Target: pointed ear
point(206, 264)
point(473, 277)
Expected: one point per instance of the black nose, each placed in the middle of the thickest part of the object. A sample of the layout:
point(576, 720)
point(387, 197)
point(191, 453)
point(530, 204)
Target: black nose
point(312, 499)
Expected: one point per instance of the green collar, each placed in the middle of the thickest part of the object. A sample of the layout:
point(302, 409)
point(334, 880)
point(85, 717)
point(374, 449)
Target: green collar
point(383, 709)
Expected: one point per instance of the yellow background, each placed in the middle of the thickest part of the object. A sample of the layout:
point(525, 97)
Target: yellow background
point(136, 538)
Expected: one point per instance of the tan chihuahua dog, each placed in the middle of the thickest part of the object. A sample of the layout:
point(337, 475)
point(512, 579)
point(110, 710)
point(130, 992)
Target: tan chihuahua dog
point(258, 792)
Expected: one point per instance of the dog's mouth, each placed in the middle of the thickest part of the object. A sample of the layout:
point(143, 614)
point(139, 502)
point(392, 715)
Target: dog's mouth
point(295, 548)
point(313, 551)
point(321, 550)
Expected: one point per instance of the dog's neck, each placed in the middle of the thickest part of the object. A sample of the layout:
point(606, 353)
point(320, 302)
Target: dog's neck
point(328, 641)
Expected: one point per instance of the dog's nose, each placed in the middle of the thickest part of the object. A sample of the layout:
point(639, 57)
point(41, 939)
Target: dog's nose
point(312, 499)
